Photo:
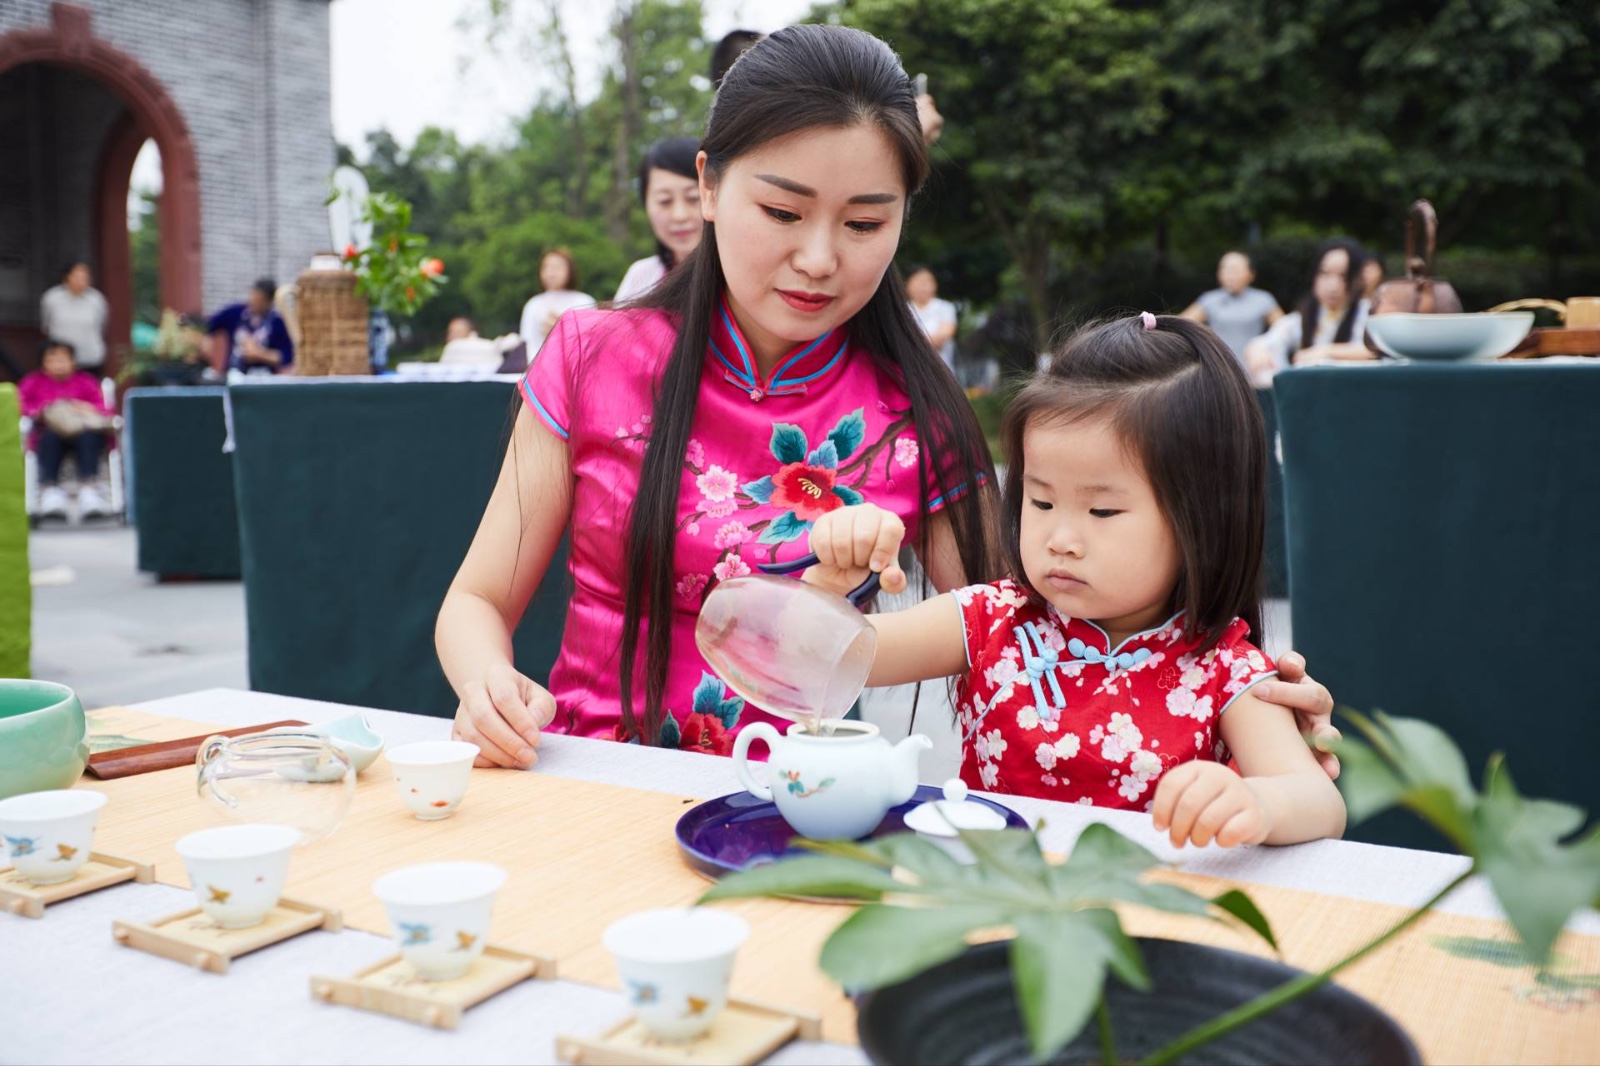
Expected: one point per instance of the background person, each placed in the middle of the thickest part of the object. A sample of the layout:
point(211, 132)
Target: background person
point(75, 312)
point(558, 276)
point(69, 414)
point(253, 335)
point(670, 189)
point(1235, 310)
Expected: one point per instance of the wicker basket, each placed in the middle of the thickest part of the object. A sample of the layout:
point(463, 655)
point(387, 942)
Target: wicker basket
point(333, 325)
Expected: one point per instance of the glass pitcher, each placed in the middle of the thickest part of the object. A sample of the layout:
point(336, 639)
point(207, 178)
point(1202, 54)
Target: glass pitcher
point(282, 778)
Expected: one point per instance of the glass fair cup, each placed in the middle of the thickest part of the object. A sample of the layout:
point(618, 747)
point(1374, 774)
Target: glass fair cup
point(432, 776)
point(439, 913)
point(238, 871)
point(48, 834)
point(675, 964)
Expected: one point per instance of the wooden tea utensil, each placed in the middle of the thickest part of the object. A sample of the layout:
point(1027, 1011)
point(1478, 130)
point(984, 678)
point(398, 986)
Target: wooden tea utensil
point(146, 758)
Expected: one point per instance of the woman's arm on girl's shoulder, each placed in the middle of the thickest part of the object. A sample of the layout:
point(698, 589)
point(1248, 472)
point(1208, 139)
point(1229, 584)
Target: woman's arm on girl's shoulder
point(1299, 800)
point(920, 643)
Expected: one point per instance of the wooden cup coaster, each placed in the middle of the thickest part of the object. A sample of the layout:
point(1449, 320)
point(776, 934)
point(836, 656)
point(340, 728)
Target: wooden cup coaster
point(193, 938)
point(744, 1033)
point(21, 896)
point(393, 987)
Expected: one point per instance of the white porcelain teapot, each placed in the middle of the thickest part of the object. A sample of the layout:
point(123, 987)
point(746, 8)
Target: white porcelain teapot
point(836, 784)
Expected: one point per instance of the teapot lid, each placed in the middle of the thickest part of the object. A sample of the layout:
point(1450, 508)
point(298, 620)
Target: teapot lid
point(941, 818)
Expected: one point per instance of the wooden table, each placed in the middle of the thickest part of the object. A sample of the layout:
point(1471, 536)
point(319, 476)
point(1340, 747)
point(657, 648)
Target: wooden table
point(69, 994)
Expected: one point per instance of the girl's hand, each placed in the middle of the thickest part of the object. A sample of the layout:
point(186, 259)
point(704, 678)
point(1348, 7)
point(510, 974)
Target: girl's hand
point(1312, 705)
point(502, 714)
point(1205, 802)
point(852, 542)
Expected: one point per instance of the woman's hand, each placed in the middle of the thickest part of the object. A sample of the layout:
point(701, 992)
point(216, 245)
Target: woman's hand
point(852, 542)
point(1311, 703)
point(1201, 803)
point(503, 714)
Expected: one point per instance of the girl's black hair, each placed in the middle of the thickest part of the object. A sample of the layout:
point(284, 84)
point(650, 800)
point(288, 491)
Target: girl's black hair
point(799, 78)
point(1177, 397)
point(1311, 310)
point(675, 155)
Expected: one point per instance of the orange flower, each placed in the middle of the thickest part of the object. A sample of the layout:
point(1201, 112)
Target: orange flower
point(394, 246)
point(433, 267)
point(350, 251)
point(411, 293)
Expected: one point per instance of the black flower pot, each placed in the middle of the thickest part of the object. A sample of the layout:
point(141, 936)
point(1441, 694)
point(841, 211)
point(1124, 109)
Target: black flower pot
point(965, 1011)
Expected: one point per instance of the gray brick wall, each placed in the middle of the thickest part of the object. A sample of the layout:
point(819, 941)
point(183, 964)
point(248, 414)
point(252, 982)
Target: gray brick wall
point(251, 79)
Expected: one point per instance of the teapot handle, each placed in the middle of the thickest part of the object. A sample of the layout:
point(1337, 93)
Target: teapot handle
point(202, 760)
point(857, 596)
point(741, 756)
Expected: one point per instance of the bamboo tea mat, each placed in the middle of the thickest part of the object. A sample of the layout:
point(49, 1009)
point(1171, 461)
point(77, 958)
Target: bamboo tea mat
point(581, 854)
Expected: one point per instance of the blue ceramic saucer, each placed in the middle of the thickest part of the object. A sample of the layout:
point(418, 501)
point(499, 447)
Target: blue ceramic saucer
point(738, 831)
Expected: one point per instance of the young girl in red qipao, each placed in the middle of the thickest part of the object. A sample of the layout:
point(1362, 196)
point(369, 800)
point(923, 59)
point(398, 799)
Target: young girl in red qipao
point(1115, 666)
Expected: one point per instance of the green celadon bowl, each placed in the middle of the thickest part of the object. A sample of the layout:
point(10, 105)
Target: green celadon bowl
point(42, 731)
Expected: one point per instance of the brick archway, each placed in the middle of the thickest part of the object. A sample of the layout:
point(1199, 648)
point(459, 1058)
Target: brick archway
point(70, 43)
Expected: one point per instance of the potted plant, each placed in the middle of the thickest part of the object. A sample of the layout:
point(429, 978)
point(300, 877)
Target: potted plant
point(177, 357)
point(394, 272)
point(921, 910)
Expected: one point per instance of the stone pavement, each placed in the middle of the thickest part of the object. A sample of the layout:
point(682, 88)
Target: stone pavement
point(116, 635)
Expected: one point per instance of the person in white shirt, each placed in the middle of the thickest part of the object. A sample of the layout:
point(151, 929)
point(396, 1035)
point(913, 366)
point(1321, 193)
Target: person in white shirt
point(75, 311)
point(669, 185)
point(463, 346)
point(938, 317)
point(558, 276)
point(1329, 324)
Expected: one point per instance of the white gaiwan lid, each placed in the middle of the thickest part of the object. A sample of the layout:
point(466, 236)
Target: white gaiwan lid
point(941, 818)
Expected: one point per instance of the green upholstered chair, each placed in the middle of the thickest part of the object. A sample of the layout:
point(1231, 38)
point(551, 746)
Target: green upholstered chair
point(181, 482)
point(16, 594)
point(357, 501)
point(1444, 561)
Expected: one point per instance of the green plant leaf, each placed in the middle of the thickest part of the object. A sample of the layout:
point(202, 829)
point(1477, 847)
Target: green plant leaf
point(1058, 962)
point(1103, 847)
point(1507, 953)
point(1366, 781)
point(1539, 881)
point(879, 944)
point(1412, 763)
point(1122, 951)
point(807, 875)
point(1008, 857)
point(1242, 907)
point(932, 865)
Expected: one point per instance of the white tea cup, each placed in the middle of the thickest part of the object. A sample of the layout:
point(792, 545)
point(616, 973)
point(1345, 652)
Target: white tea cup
point(439, 913)
point(48, 834)
point(675, 964)
point(432, 775)
point(238, 871)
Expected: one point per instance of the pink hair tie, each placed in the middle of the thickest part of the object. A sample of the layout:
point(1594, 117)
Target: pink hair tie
point(1147, 319)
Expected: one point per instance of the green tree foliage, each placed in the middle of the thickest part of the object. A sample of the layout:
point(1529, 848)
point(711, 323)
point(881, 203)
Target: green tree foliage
point(1096, 155)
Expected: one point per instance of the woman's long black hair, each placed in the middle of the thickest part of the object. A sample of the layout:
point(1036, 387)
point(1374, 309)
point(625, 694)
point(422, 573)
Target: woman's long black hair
point(1311, 310)
point(799, 78)
point(675, 155)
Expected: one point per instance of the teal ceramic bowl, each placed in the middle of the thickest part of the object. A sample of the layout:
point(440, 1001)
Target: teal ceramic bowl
point(42, 733)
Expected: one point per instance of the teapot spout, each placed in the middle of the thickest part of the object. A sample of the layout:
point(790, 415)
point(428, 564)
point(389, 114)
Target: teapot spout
point(903, 766)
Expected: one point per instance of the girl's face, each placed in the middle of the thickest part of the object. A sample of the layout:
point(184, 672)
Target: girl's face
point(554, 273)
point(672, 203)
point(1331, 288)
point(1095, 543)
point(806, 227)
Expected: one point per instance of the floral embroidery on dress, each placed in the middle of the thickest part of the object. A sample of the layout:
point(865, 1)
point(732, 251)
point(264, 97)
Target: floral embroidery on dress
point(1101, 727)
point(706, 728)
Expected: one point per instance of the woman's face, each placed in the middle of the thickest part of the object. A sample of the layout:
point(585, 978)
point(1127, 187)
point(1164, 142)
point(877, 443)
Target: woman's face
point(672, 202)
point(554, 273)
point(58, 364)
point(1331, 286)
point(922, 287)
point(806, 227)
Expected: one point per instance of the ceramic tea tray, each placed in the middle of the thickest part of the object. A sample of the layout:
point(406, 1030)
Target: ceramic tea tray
point(738, 831)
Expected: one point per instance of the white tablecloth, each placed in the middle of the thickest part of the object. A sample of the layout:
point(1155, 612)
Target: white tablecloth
point(70, 994)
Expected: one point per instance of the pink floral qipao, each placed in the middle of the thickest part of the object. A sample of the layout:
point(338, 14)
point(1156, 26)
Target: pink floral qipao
point(766, 458)
point(1048, 708)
